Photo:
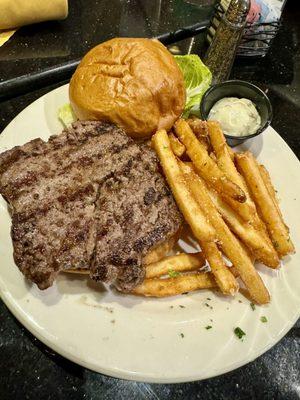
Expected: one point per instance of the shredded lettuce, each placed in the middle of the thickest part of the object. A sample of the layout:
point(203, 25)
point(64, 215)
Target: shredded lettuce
point(197, 79)
point(66, 115)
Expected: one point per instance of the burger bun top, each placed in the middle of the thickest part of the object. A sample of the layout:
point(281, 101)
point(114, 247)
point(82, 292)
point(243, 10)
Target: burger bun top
point(134, 83)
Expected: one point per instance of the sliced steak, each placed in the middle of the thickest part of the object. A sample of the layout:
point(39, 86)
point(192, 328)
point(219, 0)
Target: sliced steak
point(89, 198)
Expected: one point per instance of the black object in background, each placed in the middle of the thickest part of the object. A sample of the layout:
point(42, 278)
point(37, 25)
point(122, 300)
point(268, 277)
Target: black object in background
point(46, 53)
point(35, 80)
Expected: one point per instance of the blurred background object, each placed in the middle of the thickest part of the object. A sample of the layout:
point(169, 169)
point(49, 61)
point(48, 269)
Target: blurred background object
point(16, 13)
point(222, 50)
point(50, 51)
point(5, 36)
point(263, 23)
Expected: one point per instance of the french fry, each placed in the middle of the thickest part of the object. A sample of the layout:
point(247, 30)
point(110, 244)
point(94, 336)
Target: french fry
point(231, 153)
point(177, 147)
point(224, 278)
point(247, 209)
point(185, 201)
point(251, 237)
point(277, 229)
point(205, 166)
point(198, 126)
point(222, 152)
point(173, 286)
point(200, 129)
point(230, 245)
point(179, 263)
point(192, 213)
point(267, 180)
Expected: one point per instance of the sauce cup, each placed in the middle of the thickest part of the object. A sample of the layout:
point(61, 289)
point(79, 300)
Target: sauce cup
point(236, 88)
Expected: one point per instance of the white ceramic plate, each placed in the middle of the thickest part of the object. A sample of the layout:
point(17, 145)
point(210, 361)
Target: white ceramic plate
point(153, 340)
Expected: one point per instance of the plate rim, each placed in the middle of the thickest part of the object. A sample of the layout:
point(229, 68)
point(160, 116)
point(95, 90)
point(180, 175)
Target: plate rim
point(19, 314)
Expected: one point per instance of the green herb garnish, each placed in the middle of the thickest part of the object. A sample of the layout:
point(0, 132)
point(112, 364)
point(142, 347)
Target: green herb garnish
point(182, 335)
point(252, 305)
point(208, 327)
point(172, 273)
point(263, 319)
point(239, 332)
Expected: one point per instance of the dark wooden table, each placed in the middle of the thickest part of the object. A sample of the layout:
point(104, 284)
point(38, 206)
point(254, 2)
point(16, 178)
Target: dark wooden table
point(29, 370)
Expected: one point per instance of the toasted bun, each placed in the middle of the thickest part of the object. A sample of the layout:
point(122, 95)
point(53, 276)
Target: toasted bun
point(154, 255)
point(134, 83)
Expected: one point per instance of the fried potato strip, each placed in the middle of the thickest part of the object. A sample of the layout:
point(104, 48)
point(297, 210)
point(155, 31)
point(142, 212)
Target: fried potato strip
point(205, 165)
point(177, 147)
point(278, 231)
point(179, 263)
point(230, 245)
point(173, 286)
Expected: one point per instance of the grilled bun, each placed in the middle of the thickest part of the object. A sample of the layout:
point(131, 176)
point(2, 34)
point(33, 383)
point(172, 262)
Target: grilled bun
point(134, 83)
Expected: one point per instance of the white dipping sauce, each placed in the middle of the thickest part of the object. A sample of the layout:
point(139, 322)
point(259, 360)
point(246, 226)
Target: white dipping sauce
point(237, 117)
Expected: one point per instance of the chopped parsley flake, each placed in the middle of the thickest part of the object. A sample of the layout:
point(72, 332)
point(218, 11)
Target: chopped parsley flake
point(263, 319)
point(182, 335)
point(240, 301)
point(181, 306)
point(252, 305)
point(208, 327)
point(239, 332)
point(209, 306)
point(172, 273)
point(208, 298)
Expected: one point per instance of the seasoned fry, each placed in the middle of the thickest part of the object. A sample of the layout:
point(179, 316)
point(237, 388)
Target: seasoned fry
point(224, 278)
point(222, 152)
point(200, 129)
point(193, 214)
point(277, 230)
point(205, 166)
point(267, 180)
point(262, 249)
point(173, 286)
point(177, 147)
point(231, 153)
point(185, 201)
point(229, 243)
point(247, 209)
point(179, 263)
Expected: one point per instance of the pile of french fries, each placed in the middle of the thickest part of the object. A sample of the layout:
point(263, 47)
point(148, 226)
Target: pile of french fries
point(230, 204)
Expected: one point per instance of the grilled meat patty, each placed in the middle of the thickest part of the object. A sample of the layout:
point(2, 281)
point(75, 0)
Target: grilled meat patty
point(88, 198)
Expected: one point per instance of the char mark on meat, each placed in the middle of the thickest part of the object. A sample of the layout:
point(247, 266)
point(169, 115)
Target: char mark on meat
point(89, 198)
